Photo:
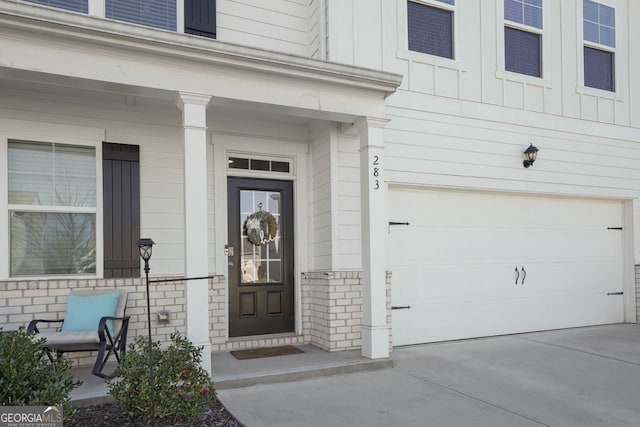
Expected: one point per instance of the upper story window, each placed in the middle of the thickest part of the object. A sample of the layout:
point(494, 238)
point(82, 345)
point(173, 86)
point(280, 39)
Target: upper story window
point(430, 27)
point(599, 34)
point(52, 208)
point(152, 13)
point(81, 6)
point(199, 15)
point(523, 37)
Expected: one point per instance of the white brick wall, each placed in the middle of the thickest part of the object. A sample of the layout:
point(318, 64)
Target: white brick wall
point(23, 301)
point(331, 310)
point(335, 308)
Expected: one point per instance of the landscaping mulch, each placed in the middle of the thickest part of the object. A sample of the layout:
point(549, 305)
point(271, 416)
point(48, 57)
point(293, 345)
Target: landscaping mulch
point(111, 414)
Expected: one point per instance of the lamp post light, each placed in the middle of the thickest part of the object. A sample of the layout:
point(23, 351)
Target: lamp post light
point(145, 247)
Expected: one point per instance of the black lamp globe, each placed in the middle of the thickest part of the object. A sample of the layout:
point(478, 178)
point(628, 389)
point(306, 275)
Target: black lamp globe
point(145, 247)
point(531, 154)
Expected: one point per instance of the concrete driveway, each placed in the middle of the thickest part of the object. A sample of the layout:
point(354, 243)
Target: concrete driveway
point(574, 377)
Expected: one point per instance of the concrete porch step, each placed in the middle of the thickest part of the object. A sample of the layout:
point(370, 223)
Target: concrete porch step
point(229, 372)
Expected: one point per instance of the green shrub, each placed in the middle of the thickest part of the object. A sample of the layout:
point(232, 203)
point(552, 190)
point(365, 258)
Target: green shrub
point(28, 377)
point(182, 388)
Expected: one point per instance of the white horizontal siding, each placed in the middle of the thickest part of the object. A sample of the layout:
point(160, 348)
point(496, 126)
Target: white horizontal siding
point(321, 236)
point(427, 148)
point(313, 25)
point(157, 128)
point(279, 25)
point(348, 220)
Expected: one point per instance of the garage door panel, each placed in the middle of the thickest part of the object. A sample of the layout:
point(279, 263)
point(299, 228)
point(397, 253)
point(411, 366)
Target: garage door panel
point(455, 264)
point(437, 281)
point(461, 319)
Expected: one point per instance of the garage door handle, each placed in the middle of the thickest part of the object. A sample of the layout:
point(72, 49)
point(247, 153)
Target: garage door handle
point(517, 275)
point(615, 293)
point(400, 307)
point(524, 275)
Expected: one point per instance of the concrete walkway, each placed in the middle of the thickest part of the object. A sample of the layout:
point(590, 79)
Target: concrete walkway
point(575, 377)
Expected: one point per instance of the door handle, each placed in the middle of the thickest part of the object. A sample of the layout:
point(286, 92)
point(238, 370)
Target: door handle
point(517, 274)
point(524, 272)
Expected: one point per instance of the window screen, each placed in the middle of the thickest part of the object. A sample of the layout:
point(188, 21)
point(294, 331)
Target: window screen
point(430, 30)
point(73, 5)
point(598, 69)
point(522, 52)
point(152, 13)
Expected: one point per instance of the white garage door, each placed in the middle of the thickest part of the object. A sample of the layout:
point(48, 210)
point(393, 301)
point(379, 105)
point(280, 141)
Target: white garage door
point(455, 264)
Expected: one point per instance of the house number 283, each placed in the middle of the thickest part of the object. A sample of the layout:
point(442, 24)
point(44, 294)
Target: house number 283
point(376, 172)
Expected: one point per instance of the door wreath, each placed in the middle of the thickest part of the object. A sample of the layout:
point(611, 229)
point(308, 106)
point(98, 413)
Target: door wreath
point(260, 228)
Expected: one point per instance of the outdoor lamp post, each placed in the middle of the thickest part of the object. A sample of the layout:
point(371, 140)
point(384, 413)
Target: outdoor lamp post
point(145, 247)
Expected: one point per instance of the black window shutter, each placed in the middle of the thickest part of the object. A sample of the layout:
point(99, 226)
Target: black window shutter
point(200, 18)
point(121, 200)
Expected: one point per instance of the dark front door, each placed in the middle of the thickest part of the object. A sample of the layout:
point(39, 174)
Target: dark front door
point(260, 256)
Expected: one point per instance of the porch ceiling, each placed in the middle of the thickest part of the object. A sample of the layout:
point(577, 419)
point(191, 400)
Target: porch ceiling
point(64, 49)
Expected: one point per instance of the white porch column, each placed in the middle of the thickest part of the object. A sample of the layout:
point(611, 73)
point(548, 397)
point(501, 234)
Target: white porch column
point(194, 122)
point(373, 196)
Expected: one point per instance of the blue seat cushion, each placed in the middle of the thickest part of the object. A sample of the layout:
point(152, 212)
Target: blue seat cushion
point(85, 311)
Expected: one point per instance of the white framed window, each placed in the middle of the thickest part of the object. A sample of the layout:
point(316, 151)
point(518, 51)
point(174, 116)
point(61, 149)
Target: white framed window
point(80, 6)
point(430, 27)
point(163, 14)
point(523, 28)
point(52, 208)
point(599, 45)
point(151, 13)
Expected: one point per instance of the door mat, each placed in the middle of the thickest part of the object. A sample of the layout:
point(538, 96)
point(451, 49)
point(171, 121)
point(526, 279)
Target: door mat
point(256, 353)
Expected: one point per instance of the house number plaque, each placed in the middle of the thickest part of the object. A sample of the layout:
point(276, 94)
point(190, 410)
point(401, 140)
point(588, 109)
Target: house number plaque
point(375, 171)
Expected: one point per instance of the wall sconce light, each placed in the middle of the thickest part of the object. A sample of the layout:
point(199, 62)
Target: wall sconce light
point(531, 153)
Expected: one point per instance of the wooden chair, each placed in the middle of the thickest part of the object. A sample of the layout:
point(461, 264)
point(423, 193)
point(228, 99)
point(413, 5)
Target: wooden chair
point(94, 321)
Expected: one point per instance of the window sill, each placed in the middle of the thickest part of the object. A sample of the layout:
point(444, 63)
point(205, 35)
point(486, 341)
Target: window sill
point(600, 93)
point(523, 78)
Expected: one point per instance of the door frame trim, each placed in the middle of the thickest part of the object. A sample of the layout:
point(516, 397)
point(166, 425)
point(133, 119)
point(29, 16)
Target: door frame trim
point(297, 151)
point(287, 256)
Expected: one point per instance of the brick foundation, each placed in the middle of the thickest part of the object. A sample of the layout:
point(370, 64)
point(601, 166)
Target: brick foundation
point(334, 301)
point(23, 301)
point(331, 309)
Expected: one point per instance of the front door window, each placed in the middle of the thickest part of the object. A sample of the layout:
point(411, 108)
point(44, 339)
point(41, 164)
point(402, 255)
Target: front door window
point(261, 260)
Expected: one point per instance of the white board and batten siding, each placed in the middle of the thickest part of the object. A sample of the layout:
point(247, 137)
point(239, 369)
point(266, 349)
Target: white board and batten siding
point(476, 73)
point(473, 264)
